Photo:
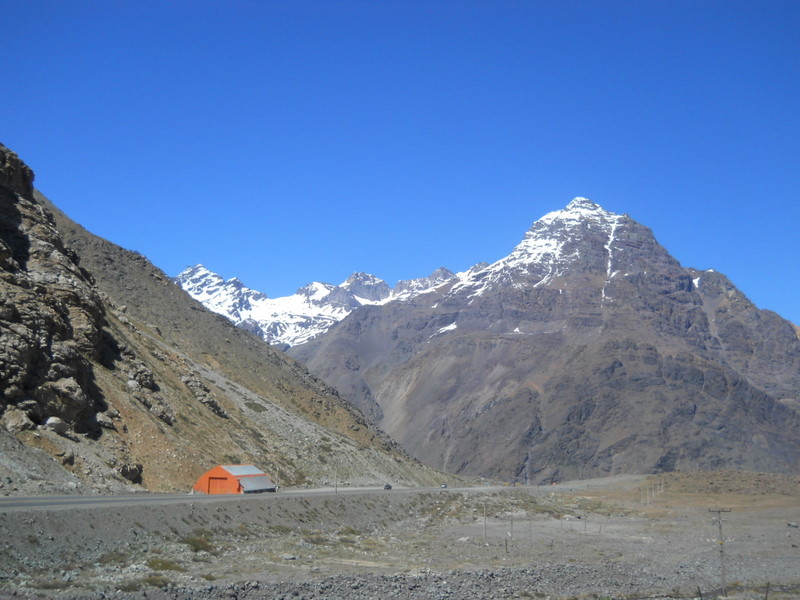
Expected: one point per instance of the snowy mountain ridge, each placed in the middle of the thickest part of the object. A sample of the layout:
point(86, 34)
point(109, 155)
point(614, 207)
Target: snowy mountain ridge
point(547, 251)
point(291, 320)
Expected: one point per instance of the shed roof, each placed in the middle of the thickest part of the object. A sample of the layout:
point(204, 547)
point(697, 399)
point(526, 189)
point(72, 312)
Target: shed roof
point(256, 484)
point(239, 470)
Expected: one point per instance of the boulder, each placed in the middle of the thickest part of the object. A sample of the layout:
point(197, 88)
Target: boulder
point(57, 425)
point(132, 472)
point(63, 398)
point(104, 420)
point(16, 420)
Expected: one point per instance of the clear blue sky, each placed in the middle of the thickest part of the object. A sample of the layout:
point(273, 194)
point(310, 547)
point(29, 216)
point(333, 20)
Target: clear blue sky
point(290, 141)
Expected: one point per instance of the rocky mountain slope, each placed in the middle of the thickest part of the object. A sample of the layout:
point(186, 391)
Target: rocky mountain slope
point(312, 310)
point(112, 377)
point(588, 350)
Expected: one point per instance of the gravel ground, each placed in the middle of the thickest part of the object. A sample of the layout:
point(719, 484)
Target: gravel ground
point(615, 539)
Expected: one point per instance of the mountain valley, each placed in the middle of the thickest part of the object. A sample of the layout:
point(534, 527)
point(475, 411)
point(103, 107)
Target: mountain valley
point(114, 379)
point(587, 351)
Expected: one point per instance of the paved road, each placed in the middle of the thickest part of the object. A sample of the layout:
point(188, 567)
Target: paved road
point(26, 503)
point(23, 503)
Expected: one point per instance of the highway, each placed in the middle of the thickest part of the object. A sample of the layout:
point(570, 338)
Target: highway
point(28, 503)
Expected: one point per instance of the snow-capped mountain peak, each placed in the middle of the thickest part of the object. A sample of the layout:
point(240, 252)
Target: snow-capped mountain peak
point(557, 235)
point(367, 287)
point(408, 288)
point(315, 291)
point(312, 310)
point(578, 209)
point(224, 297)
point(547, 249)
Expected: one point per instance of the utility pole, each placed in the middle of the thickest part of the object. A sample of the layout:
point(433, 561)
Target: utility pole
point(719, 520)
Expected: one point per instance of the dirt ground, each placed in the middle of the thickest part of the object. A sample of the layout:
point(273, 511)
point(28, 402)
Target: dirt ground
point(625, 537)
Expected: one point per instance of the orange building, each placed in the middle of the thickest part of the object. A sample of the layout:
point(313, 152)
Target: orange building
point(234, 479)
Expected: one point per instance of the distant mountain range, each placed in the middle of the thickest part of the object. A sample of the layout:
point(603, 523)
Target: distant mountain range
point(312, 310)
point(588, 350)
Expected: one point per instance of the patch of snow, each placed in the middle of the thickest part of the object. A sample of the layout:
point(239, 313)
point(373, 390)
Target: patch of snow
point(445, 329)
point(609, 246)
point(450, 327)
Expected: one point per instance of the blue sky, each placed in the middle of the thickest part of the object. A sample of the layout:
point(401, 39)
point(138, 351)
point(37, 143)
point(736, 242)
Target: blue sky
point(285, 142)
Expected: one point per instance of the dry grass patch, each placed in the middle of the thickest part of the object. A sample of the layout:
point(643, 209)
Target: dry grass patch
point(115, 557)
point(199, 541)
point(161, 564)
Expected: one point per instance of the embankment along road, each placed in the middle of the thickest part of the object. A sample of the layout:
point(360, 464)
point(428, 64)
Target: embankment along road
point(577, 538)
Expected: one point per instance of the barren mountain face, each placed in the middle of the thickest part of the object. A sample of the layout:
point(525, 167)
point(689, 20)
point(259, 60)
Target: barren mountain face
point(112, 377)
point(588, 350)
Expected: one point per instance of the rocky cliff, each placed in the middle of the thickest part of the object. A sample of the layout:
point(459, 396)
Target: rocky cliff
point(112, 377)
point(51, 319)
point(588, 350)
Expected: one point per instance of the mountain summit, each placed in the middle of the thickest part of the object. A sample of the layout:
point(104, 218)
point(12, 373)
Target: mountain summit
point(582, 238)
point(587, 350)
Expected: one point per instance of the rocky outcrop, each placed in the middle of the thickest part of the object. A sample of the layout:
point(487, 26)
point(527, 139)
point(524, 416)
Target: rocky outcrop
point(204, 395)
point(51, 317)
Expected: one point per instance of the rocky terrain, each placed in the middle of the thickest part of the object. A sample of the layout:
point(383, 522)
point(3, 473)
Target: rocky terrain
point(623, 537)
point(587, 351)
point(112, 378)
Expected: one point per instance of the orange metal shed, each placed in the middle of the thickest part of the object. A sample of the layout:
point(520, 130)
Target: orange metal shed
point(234, 479)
